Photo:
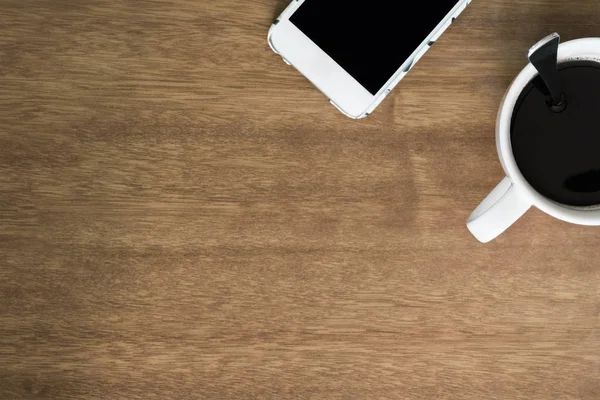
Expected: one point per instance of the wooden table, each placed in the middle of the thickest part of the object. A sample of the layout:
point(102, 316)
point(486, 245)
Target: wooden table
point(182, 216)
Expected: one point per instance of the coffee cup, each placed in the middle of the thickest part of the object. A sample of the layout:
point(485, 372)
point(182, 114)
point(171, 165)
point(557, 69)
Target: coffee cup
point(518, 192)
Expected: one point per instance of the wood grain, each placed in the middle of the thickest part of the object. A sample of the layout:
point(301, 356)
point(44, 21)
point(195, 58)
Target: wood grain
point(182, 216)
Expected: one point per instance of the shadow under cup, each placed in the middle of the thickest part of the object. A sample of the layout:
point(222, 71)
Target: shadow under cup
point(559, 153)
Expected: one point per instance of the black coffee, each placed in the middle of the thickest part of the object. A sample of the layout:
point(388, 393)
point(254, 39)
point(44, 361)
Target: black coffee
point(559, 153)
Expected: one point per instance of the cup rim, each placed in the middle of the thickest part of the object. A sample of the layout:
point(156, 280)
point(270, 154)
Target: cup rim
point(580, 49)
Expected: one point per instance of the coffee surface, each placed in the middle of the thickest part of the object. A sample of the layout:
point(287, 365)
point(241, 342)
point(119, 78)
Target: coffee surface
point(559, 153)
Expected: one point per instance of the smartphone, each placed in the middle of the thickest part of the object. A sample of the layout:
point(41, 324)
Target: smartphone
point(356, 52)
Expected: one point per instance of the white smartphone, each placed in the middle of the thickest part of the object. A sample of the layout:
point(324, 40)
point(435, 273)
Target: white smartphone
point(356, 52)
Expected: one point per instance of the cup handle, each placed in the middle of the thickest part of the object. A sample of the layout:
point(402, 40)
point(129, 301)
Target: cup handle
point(502, 208)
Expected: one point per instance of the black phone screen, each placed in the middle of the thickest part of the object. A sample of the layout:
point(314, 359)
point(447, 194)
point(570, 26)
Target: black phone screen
point(370, 39)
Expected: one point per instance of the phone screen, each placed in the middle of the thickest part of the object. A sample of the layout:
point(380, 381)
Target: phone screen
point(370, 39)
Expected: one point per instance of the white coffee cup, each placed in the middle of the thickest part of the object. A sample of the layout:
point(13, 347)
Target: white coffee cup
point(514, 195)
